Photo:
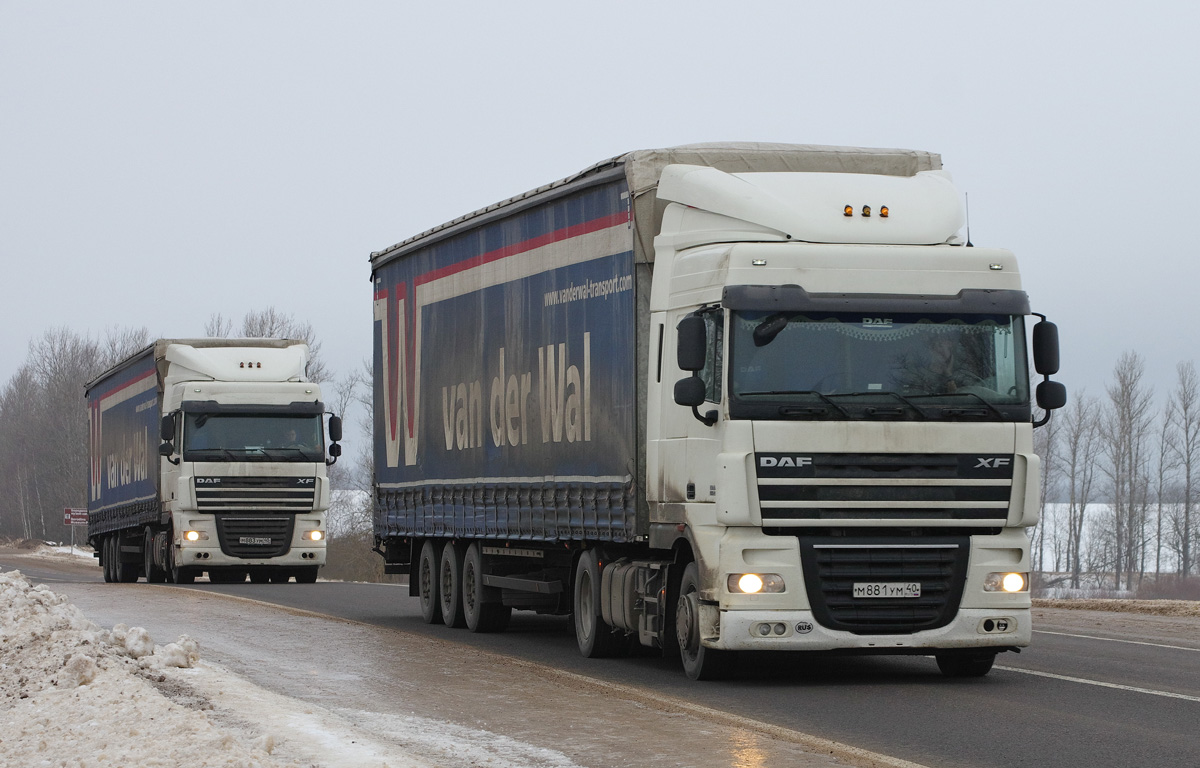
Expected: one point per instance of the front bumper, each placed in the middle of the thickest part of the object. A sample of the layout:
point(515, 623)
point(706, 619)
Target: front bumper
point(971, 628)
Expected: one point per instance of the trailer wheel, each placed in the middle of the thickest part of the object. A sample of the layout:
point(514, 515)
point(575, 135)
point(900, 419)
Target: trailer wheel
point(124, 572)
point(154, 574)
point(450, 585)
point(427, 584)
point(596, 638)
point(482, 609)
point(106, 558)
point(960, 664)
point(699, 663)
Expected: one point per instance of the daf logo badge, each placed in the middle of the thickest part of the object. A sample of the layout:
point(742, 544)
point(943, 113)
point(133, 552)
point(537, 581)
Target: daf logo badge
point(785, 461)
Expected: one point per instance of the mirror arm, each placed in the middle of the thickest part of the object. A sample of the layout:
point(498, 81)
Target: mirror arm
point(708, 419)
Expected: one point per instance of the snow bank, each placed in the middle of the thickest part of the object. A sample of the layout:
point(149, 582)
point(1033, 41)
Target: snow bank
point(73, 694)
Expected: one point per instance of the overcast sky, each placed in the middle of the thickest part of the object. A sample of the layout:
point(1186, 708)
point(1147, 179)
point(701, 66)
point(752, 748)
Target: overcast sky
point(164, 161)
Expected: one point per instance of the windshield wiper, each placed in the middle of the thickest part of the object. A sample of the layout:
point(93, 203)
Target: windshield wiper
point(965, 412)
point(785, 410)
point(896, 395)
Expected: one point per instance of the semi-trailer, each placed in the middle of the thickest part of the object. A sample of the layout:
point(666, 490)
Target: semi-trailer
point(716, 399)
point(209, 455)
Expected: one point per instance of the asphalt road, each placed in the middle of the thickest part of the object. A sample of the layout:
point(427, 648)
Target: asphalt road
point(1094, 689)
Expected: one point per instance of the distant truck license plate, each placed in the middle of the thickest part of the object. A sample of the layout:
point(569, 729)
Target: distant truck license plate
point(887, 589)
point(254, 540)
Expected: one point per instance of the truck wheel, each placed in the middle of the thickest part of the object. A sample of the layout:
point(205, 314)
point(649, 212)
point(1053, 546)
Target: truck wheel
point(699, 663)
point(595, 637)
point(154, 574)
point(106, 558)
point(307, 574)
point(450, 585)
point(959, 664)
point(427, 584)
point(482, 609)
point(124, 572)
point(179, 574)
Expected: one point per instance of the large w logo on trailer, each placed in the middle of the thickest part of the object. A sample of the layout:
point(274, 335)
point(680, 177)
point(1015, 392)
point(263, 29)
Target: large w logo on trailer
point(396, 311)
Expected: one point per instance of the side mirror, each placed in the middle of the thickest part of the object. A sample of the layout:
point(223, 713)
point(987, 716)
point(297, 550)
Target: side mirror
point(166, 428)
point(690, 392)
point(335, 428)
point(1045, 348)
point(1051, 395)
point(692, 347)
point(167, 450)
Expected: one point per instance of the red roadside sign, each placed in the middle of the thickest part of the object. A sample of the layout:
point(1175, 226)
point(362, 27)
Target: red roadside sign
point(75, 516)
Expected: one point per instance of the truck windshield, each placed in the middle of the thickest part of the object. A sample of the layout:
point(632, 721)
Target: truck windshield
point(250, 437)
point(905, 366)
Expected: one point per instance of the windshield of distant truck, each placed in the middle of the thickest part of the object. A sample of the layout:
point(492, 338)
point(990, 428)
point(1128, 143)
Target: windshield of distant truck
point(249, 437)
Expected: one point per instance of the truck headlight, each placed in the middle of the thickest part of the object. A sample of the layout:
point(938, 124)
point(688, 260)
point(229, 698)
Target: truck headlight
point(1006, 582)
point(754, 583)
point(315, 535)
point(195, 536)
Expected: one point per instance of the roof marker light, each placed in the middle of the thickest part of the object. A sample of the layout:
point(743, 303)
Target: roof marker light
point(848, 210)
point(883, 211)
point(866, 211)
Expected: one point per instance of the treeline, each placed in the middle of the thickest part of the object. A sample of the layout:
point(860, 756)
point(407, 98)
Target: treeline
point(44, 429)
point(44, 423)
point(1124, 471)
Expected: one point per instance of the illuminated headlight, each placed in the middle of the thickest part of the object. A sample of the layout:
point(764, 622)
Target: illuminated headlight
point(195, 536)
point(754, 583)
point(315, 535)
point(1006, 582)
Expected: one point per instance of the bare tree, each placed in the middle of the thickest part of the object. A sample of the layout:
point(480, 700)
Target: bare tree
point(1080, 445)
point(1045, 445)
point(1124, 433)
point(272, 324)
point(218, 326)
point(1184, 410)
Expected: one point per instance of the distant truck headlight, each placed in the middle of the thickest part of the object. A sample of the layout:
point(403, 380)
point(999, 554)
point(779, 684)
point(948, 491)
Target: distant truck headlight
point(754, 583)
point(1006, 582)
point(315, 535)
point(195, 535)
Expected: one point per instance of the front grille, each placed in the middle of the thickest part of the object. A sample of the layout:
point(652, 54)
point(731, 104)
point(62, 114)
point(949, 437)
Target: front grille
point(245, 536)
point(255, 494)
point(798, 489)
point(834, 564)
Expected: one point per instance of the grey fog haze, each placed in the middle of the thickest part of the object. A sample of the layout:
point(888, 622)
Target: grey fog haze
point(162, 162)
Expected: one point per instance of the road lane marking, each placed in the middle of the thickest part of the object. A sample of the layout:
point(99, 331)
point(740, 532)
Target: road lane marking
point(1117, 640)
point(1102, 684)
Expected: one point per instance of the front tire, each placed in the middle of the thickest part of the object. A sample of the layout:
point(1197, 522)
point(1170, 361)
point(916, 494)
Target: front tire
point(179, 573)
point(154, 574)
point(699, 663)
point(959, 664)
